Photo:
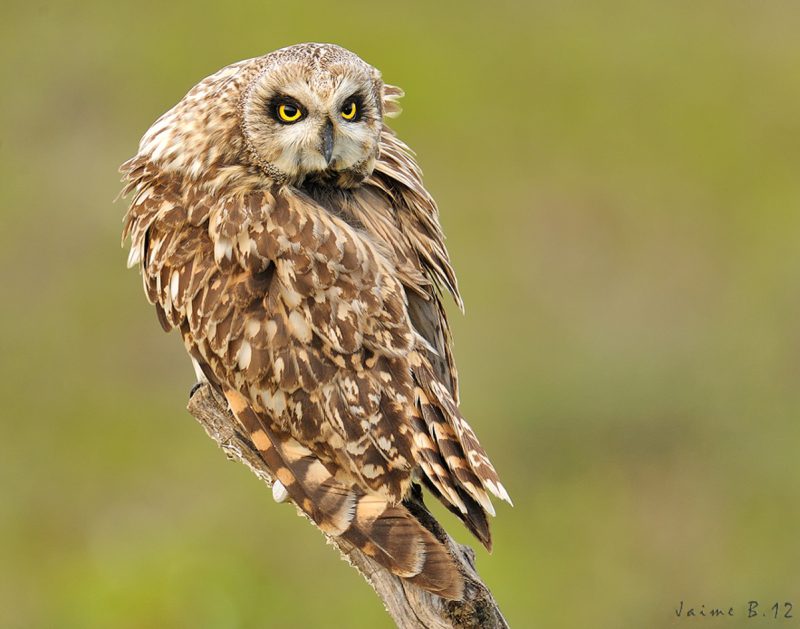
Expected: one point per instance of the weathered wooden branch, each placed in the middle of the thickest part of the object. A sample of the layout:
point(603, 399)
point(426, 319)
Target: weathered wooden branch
point(409, 606)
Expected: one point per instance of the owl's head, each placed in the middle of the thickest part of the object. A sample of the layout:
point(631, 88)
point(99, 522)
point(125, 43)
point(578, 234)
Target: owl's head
point(314, 112)
point(306, 113)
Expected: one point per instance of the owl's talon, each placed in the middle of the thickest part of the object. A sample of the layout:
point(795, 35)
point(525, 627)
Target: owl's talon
point(194, 388)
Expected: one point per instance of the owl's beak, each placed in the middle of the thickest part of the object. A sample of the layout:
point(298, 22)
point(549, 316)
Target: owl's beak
point(327, 142)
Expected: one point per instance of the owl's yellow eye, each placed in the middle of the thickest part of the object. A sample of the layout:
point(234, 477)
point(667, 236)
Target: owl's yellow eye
point(288, 112)
point(350, 110)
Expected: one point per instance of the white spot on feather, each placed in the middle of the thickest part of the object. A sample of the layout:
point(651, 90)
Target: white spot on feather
point(299, 327)
point(503, 494)
point(279, 493)
point(142, 194)
point(371, 471)
point(198, 372)
point(384, 443)
point(174, 285)
point(244, 355)
point(134, 256)
point(290, 296)
point(275, 402)
point(158, 146)
point(279, 402)
point(223, 248)
point(251, 327)
point(422, 440)
point(196, 167)
point(316, 473)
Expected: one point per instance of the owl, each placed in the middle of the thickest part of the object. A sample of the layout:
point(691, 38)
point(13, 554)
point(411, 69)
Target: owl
point(283, 228)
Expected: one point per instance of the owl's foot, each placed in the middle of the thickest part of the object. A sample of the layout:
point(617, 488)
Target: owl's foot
point(194, 388)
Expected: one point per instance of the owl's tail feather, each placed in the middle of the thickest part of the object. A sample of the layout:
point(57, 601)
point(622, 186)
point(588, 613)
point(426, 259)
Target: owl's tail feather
point(389, 534)
point(466, 460)
point(448, 489)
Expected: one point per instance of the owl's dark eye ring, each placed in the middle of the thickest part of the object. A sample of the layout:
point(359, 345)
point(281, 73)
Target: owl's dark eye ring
point(288, 112)
point(353, 108)
point(350, 110)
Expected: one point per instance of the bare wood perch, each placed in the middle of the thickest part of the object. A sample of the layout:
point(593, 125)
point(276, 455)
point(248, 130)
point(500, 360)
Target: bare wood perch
point(409, 606)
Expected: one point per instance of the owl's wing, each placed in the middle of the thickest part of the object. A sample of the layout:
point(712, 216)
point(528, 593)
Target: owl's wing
point(299, 320)
point(387, 532)
point(289, 306)
point(394, 205)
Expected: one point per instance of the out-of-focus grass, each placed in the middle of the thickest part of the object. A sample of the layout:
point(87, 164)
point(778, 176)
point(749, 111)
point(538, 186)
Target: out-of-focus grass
point(619, 184)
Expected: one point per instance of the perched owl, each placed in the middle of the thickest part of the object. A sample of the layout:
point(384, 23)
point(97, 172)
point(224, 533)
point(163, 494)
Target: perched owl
point(283, 228)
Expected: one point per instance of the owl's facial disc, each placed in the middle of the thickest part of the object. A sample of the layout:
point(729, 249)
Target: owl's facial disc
point(304, 123)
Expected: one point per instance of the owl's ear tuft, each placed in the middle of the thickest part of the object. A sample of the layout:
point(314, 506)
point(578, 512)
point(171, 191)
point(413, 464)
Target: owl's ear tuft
point(391, 95)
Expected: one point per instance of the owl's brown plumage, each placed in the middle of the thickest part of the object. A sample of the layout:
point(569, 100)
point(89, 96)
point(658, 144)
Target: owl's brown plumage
point(301, 259)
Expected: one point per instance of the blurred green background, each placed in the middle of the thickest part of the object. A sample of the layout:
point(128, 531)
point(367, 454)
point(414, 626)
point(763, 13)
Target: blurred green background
point(619, 184)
